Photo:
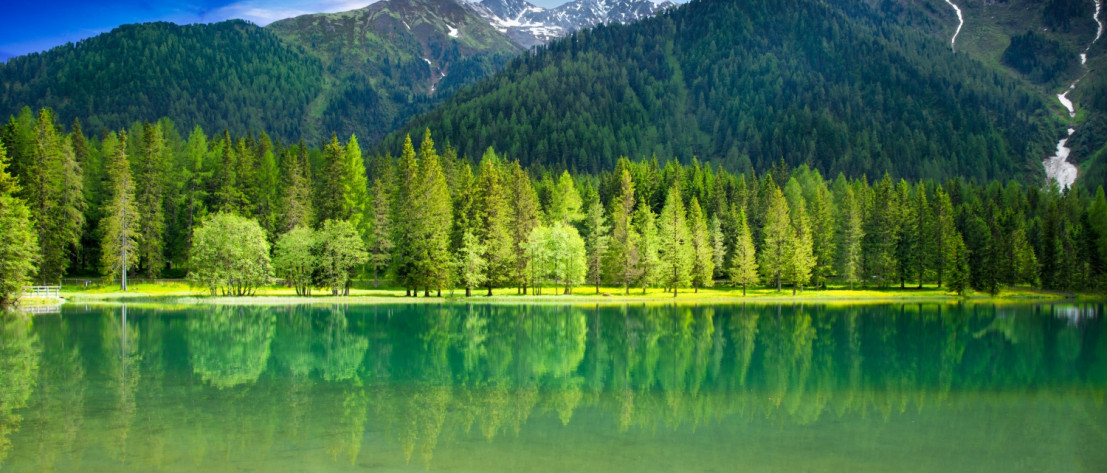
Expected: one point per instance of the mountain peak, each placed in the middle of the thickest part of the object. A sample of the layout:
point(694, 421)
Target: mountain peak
point(529, 25)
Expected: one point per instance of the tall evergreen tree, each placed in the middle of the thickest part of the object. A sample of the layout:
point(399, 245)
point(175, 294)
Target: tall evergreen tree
point(525, 217)
point(649, 244)
point(227, 191)
point(565, 202)
point(493, 218)
point(719, 248)
point(355, 189)
point(777, 237)
point(268, 181)
point(433, 216)
point(330, 192)
point(941, 232)
point(882, 232)
point(404, 229)
point(623, 257)
point(54, 192)
point(150, 170)
point(196, 180)
point(121, 226)
point(380, 237)
point(18, 242)
point(470, 262)
point(743, 265)
point(675, 246)
point(850, 235)
point(597, 238)
point(801, 258)
point(920, 235)
point(296, 199)
point(703, 257)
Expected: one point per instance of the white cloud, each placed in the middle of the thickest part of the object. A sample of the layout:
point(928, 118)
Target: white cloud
point(264, 12)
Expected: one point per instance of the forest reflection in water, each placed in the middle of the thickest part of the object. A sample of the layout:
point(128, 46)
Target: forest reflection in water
point(554, 387)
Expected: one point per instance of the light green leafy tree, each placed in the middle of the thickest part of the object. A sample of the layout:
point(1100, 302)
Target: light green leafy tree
point(18, 241)
point(471, 263)
point(294, 258)
point(230, 255)
point(675, 245)
point(703, 252)
point(743, 264)
point(649, 260)
point(340, 250)
point(596, 231)
point(777, 237)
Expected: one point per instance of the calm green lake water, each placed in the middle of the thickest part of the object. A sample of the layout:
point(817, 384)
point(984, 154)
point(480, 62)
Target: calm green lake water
point(913, 388)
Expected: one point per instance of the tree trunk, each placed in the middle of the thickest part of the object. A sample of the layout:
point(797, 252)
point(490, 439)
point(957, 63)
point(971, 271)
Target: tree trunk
point(489, 290)
point(468, 291)
point(778, 286)
point(408, 293)
point(743, 290)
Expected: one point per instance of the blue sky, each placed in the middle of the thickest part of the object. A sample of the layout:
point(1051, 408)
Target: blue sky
point(27, 26)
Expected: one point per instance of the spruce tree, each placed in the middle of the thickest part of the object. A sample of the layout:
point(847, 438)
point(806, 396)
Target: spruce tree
point(121, 225)
point(596, 241)
point(882, 232)
point(743, 266)
point(850, 235)
point(777, 237)
point(525, 217)
point(959, 266)
point(379, 243)
point(623, 257)
point(675, 246)
point(268, 180)
point(54, 193)
point(150, 173)
point(920, 236)
point(719, 247)
point(649, 244)
point(18, 241)
point(355, 189)
point(433, 215)
point(296, 198)
point(565, 202)
point(330, 194)
point(941, 233)
point(493, 219)
point(703, 258)
point(470, 262)
point(801, 259)
point(196, 180)
point(404, 229)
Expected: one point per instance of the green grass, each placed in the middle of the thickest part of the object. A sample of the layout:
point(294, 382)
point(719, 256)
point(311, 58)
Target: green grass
point(184, 294)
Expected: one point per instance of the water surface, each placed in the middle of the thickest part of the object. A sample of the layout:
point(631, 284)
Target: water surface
point(913, 388)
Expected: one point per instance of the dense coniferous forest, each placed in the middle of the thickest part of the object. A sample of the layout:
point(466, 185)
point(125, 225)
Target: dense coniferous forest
point(746, 84)
point(429, 219)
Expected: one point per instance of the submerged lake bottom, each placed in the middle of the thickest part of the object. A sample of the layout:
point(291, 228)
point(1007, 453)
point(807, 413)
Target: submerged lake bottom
point(609, 388)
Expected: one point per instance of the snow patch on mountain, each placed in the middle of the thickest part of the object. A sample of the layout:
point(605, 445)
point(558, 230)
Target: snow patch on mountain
point(529, 25)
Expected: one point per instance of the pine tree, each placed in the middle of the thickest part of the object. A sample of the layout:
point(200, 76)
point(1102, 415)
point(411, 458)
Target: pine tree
point(825, 246)
point(777, 237)
point(227, 193)
point(355, 189)
point(196, 180)
point(54, 193)
point(526, 216)
point(623, 258)
point(404, 230)
point(906, 230)
point(675, 247)
point(18, 242)
point(596, 242)
point(296, 200)
point(719, 248)
point(379, 243)
point(267, 205)
point(801, 258)
point(850, 235)
point(703, 257)
point(565, 202)
point(493, 220)
point(941, 233)
point(122, 223)
point(433, 215)
point(330, 194)
point(150, 169)
point(743, 266)
point(959, 266)
point(649, 262)
point(882, 232)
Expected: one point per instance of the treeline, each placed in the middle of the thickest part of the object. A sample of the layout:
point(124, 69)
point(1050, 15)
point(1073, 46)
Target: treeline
point(430, 220)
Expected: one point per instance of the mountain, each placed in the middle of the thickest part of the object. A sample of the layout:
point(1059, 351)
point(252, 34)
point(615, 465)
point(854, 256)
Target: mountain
point(365, 71)
point(529, 25)
point(749, 84)
point(230, 75)
point(392, 59)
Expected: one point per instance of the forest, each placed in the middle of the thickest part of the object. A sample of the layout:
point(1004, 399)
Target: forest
point(230, 212)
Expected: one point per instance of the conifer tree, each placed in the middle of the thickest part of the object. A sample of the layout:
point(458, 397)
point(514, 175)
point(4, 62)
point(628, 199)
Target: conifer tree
point(675, 246)
point(703, 258)
point(432, 213)
point(825, 247)
point(380, 237)
point(267, 205)
point(330, 196)
point(463, 205)
point(150, 182)
point(743, 266)
point(196, 179)
point(920, 234)
point(355, 189)
point(882, 232)
point(526, 216)
point(623, 257)
point(801, 259)
point(493, 219)
point(565, 202)
point(54, 193)
point(959, 266)
point(851, 233)
point(777, 237)
point(18, 241)
point(649, 262)
point(228, 195)
point(404, 230)
point(596, 242)
point(122, 223)
point(296, 200)
point(906, 230)
point(941, 233)
point(719, 248)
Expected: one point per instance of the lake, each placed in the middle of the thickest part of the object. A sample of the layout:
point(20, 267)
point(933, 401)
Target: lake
point(555, 388)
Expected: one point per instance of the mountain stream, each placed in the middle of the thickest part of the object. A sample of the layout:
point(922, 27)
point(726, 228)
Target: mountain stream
point(1057, 166)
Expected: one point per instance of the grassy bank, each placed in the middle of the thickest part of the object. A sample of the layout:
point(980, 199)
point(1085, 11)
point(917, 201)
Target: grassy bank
point(183, 293)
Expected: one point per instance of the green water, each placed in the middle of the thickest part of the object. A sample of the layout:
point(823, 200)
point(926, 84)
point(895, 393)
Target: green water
point(662, 388)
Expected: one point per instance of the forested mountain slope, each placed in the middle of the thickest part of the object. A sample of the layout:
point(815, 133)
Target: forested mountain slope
point(230, 75)
point(365, 71)
point(748, 84)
